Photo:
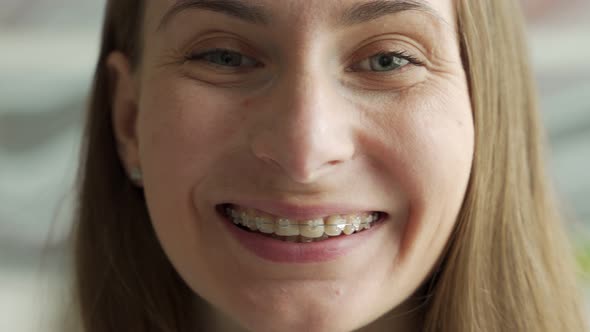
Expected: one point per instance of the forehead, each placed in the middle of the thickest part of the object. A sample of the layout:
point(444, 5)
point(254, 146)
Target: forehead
point(303, 13)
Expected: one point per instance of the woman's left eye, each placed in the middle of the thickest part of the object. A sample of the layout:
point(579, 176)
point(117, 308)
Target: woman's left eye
point(224, 58)
point(384, 62)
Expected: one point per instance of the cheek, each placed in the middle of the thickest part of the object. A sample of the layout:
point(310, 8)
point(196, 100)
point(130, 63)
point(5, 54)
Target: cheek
point(425, 141)
point(182, 129)
point(185, 135)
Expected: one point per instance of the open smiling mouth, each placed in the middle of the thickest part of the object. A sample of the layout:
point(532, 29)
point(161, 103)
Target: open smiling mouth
point(299, 231)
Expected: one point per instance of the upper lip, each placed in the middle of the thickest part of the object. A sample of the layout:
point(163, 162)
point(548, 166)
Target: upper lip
point(302, 212)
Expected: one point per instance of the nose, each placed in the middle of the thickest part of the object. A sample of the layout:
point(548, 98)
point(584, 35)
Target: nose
point(306, 131)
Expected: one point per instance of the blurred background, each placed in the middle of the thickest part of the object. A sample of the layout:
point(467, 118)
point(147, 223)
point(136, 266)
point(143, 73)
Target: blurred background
point(48, 49)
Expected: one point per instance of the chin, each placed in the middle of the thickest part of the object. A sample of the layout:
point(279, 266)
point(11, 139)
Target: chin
point(334, 320)
point(327, 308)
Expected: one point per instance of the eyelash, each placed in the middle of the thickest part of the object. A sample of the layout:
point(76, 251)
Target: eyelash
point(403, 55)
point(217, 51)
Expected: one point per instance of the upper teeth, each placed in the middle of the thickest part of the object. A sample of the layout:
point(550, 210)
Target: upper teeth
point(314, 228)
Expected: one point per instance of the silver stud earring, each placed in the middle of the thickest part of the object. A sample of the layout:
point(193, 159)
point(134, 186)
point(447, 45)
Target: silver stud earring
point(135, 175)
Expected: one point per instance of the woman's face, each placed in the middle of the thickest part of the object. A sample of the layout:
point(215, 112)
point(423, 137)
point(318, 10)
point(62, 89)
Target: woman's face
point(302, 119)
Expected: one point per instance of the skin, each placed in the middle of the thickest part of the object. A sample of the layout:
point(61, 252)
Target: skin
point(310, 125)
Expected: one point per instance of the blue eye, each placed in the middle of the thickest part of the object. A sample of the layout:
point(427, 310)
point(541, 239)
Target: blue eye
point(225, 58)
point(383, 62)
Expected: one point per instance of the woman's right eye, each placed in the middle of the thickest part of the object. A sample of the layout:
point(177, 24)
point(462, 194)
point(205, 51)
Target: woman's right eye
point(225, 58)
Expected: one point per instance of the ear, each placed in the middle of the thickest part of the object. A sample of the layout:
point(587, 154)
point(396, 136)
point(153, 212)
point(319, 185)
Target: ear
point(124, 107)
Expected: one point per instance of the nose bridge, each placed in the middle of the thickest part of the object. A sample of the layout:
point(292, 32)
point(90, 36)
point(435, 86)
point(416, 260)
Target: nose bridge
point(305, 133)
point(307, 107)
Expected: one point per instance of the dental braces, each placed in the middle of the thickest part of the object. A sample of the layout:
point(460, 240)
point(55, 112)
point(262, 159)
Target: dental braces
point(301, 224)
point(240, 219)
point(313, 226)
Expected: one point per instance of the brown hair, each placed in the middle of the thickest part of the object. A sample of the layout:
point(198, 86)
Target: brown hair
point(508, 266)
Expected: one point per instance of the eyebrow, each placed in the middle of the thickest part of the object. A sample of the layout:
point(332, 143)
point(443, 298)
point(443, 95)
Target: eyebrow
point(257, 14)
point(368, 11)
point(240, 9)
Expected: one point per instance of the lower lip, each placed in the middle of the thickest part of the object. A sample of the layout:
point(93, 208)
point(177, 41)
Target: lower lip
point(290, 252)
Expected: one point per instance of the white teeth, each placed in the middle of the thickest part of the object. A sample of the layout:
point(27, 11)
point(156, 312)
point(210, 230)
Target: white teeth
point(349, 229)
point(352, 224)
point(245, 219)
point(370, 222)
point(286, 227)
point(300, 231)
point(334, 225)
point(312, 228)
point(265, 225)
point(251, 223)
point(356, 223)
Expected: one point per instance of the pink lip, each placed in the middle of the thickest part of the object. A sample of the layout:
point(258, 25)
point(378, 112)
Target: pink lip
point(289, 252)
